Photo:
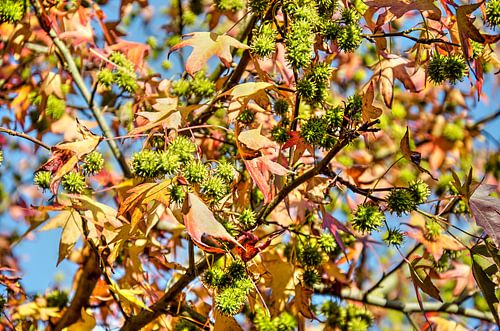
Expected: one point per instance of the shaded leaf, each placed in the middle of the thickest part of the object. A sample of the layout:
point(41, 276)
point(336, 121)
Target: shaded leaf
point(205, 45)
point(421, 278)
point(401, 7)
point(487, 288)
point(486, 211)
point(369, 111)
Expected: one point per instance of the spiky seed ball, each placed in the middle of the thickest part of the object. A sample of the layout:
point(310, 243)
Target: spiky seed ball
point(401, 201)
point(335, 314)
point(310, 277)
point(280, 134)
point(455, 68)
point(307, 89)
point(247, 218)
point(196, 172)
point(436, 69)
point(453, 132)
point(55, 107)
point(73, 182)
point(327, 242)
point(315, 131)
point(309, 255)
point(183, 147)
point(202, 86)
point(349, 38)
point(181, 87)
point(230, 301)
point(177, 194)
point(42, 179)
point(246, 116)
point(11, 11)
point(145, 164)
point(225, 170)
point(258, 7)
point(57, 299)
point(105, 77)
point(237, 270)
point(127, 80)
point(214, 188)
point(432, 230)
point(263, 41)
point(121, 60)
point(357, 324)
point(394, 237)
point(331, 31)
point(477, 49)
point(299, 44)
point(442, 264)
point(334, 117)
point(493, 13)
point(281, 107)
point(212, 278)
point(285, 322)
point(361, 312)
point(420, 191)
point(93, 163)
point(350, 16)
point(229, 5)
point(367, 218)
point(168, 162)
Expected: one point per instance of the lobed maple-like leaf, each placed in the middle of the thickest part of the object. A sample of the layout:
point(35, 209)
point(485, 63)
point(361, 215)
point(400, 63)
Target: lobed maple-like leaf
point(205, 45)
point(401, 7)
point(486, 211)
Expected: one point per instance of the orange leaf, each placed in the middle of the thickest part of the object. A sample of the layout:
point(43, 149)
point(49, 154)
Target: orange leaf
point(368, 110)
point(202, 226)
point(205, 45)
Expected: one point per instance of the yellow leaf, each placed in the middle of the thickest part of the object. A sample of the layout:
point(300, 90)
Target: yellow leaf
point(128, 295)
point(166, 116)
point(85, 323)
point(225, 323)
point(246, 90)
point(254, 140)
point(52, 84)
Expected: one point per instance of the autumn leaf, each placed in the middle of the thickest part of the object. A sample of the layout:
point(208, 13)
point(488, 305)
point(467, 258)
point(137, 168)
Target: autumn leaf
point(85, 323)
point(247, 90)
point(412, 156)
point(225, 323)
point(401, 7)
point(487, 287)
point(167, 116)
point(202, 226)
point(128, 296)
point(369, 111)
point(253, 139)
point(421, 278)
point(205, 45)
point(486, 211)
point(52, 85)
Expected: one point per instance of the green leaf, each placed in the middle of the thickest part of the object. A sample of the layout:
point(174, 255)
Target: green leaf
point(487, 288)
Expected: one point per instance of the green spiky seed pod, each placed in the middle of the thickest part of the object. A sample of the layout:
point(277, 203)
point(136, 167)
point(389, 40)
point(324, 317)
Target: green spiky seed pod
point(183, 147)
point(258, 7)
point(196, 172)
point(281, 107)
point(354, 311)
point(280, 134)
point(185, 325)
point(226, 171)
point(1, 158)
point(263, 41)
point(177, 194)
point(394, 237)
point(230, 301)
point(453, 132)
point(246, 116)
point(55, 107)
point(58, 299)
point(285, 322)
point(315, 131)
point(299, 44)
point(93, 163)
point(188, 18)
point(73, 182)
point(420, 191)
point(309, 255)
point(321, 72)
point(213, 278)
point(334, 117)
point(477, 49)
point(435, 69)
point(354, 105)
point(145, 164)
point(229, 5)
point(105, 77)
point(350, 16)
point(237, 270)
point(42, 179)
point(349, 38)
point(126, 80)
point(327, 243)
point(335, 314)
point(443, 264)
point(401, 201)
point(202, 86)
point(307, 89)
point(331, 31)
point(310, 277)
point(157, 142)
point(168, 162)
point(247, 218)
point(181, 87)
point(432, 230)
point(367, 218)
point(493, 13)
point(262, 321)
point(11, 11)
point(214, 188)
point(455, 68)
point(357, 324)
point(121, 60)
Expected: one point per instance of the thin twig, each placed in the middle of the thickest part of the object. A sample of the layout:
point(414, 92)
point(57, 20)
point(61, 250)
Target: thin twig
point(25, 136)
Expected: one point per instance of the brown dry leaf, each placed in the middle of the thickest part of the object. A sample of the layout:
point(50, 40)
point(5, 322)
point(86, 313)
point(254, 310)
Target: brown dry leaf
point(225, 323)
point(369, 111)
point(202, 226)
point(401, 7)
point(205, 45)
point(302, 301)
point(253, 139)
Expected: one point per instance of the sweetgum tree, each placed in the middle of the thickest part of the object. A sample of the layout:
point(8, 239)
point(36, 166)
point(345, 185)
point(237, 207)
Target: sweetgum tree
point(256, 165)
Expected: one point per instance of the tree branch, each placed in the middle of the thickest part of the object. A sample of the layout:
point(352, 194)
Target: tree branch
point(71, 67)
point(405, 34)
point(25, 136)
